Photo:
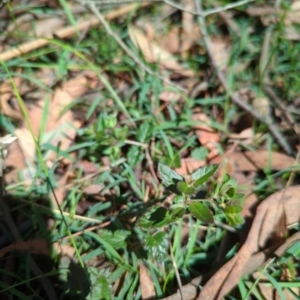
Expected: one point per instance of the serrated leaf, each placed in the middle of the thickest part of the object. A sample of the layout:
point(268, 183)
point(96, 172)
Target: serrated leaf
point(157, 246)
point(116, 239)
point(144, 132)
point(202, 212)
point(155, 218)
point(169, 178)
point(100, 285)
point(201, 175)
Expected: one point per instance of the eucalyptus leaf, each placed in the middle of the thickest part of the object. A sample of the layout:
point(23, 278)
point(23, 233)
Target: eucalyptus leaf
point(168, 176)
point(201, 211)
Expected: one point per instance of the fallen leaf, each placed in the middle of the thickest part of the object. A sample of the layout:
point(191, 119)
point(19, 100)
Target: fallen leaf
point(155, 54)
point(261, 235)
point(258, 160)
point(170, 41)
point(207, 136)
point(246, 136)
point(63, 249)
point(146, 283)
point(188, 165)
point(220, 51)
point(169, 96)
point(34, 246)
point(93, 189)
point(188, 36)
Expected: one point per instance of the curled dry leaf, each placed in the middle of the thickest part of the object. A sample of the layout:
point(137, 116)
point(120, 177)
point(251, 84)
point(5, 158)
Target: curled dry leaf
point(263, 234)
point(257, 160)
point(34, 246)
point(155, 54)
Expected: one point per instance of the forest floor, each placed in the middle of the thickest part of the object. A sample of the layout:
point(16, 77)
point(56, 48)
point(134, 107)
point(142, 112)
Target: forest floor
point(107, 106)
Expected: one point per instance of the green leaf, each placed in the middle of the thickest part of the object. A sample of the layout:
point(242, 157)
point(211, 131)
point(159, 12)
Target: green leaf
point(156, 217)
point(144, 132)
point(225, 179)
point(169, 178)
point(201, 175)
point(202, 212)
point(233, 209)
point(230, 193)
point(178, 199)
point(177, 212)
point(157, 246)
point(101, 287)
point(116, 239)
point(239, 196)
point(235, 219)
point(185, 189)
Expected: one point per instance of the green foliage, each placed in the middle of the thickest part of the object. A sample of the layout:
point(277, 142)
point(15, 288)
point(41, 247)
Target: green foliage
point(101, 286)
point(224, 197)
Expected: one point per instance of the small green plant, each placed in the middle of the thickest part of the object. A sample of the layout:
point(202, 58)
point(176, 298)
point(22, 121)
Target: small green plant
point(188, 189)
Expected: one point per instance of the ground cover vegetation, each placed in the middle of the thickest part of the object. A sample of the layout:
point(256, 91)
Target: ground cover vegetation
point(149, 150)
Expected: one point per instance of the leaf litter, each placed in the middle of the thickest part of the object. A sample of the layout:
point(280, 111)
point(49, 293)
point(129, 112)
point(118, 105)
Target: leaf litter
point(271, 217)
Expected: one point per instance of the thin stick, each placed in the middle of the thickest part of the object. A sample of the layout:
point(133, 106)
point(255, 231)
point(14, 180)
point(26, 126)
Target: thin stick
point(176, 273)
point(234, 96)
point(63, 33)
point(175, 5)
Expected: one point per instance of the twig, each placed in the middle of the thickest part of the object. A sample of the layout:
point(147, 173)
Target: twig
point(234, 96)
point(176, 273)
point(108, 29)
point(62, 34)
point(173, 4)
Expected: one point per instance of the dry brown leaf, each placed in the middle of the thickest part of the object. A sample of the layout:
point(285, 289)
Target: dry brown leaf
point(188, 24)
point(293, 15)
point(258, 160)
point(93, 189)
point(146, 283)
point(291, 33)
point(188, 165)
point(262, 106)
point(207, 136)
point(153, 53)
point(284, 203)
point(38, 28)
point(168, 96)
point(221, 51)
point(34, 246)
point(63, 250)
point(170, 42)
